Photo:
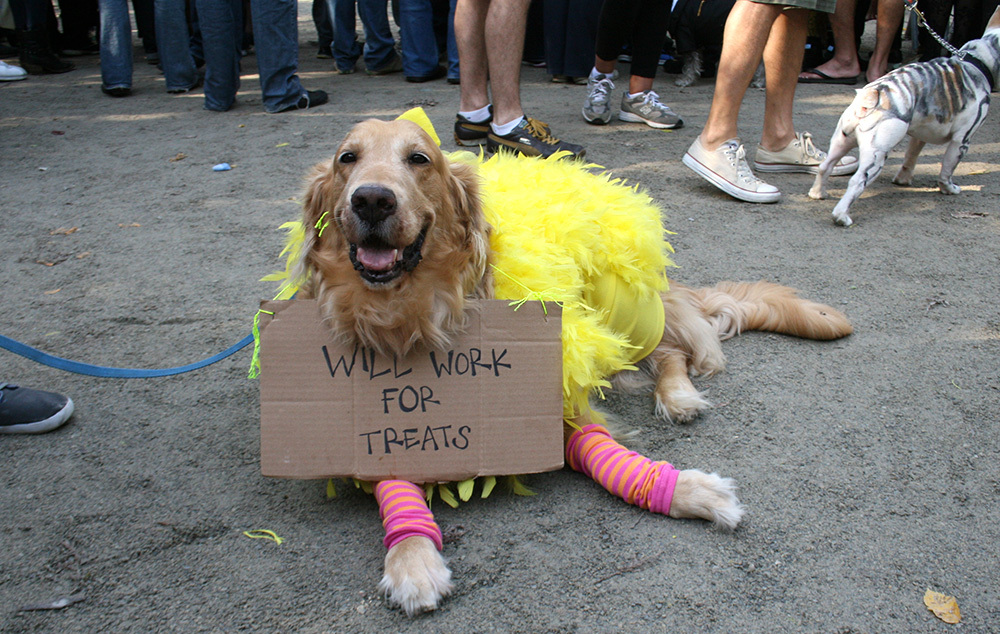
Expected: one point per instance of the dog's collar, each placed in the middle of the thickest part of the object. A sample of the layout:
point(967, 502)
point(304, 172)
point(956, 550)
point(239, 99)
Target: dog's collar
point(981, 67)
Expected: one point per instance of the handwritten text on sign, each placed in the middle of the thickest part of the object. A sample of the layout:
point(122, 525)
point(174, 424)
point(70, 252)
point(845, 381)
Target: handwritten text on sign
point(475, 362)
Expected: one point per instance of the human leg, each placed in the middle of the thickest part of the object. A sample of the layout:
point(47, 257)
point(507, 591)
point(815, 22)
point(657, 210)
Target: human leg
point(276, 35)
point(173, 43)
point(887, 23)
point(844, 63)
point(116, 46)
point(417, 40)
point(222, 34)
point(782, 61)
point(470, 36)
point(504, 41)
point(346, 49)
point(746, 34)
point(379, 44)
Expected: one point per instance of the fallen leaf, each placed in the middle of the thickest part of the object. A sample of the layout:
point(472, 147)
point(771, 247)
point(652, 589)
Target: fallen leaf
point(46, 263)
point(970, 214)
point(58, 132)
point(943, 606)
point(80, 256)
point(63, 231)
point(281, 145)
point(131, 224)
point(53, 292)
point(180, 157)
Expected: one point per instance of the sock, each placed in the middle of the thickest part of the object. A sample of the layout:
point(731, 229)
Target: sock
point(405, 513)
point(631, 96)
point(477, 116)
point(501, 130)
point(626, 474)
point(594, 73)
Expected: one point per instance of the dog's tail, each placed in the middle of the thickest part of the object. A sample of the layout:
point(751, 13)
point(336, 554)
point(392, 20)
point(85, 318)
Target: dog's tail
point(737, 306)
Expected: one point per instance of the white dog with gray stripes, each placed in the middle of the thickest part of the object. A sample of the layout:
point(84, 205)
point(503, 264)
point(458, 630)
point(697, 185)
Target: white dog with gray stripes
point(942, 101)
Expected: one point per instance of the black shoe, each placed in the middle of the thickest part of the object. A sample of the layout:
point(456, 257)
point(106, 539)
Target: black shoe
point(198, 82)
point(531, 138)
point(437, 73)
point(454, 80)
point(395, 65)
point(37, 56)
point(118, 91)
point(472, 132)
point(27, 411)
point(311, 99)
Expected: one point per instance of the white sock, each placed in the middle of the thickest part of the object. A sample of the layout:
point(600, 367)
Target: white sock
point(631, 96)
point(501, 130)
point(477, 116)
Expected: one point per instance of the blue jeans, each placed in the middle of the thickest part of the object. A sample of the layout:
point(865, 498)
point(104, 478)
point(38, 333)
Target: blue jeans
point(276, 37)
point(116, 44)
point(416, 34)
point(322, 15)
point(379, 43)
point(173, 43)
point(452, 44)
point(221, 25)
point(346, 49)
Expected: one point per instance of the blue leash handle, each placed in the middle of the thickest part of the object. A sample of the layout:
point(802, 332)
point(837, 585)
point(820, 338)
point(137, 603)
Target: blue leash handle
point(116, 373)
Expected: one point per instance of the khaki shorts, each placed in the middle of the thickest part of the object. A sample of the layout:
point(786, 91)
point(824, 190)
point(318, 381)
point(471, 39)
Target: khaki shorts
point(826, 6)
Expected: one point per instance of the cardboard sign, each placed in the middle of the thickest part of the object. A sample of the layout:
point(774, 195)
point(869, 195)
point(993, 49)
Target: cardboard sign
point(491, 404)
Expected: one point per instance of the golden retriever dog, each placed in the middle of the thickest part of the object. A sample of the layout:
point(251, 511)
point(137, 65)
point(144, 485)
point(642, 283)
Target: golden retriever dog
point(407, 249)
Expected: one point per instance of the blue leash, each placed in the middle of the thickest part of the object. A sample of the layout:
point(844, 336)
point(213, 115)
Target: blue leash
point(117, 373)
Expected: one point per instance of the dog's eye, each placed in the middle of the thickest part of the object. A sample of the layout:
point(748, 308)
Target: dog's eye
point(348, 157)
point(418, 158)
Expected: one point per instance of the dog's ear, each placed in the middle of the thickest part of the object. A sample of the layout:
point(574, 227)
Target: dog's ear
point(317, 200)
point(464, 191)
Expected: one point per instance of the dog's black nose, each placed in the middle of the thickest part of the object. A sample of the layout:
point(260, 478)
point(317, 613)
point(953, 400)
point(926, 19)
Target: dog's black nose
point(373, 203)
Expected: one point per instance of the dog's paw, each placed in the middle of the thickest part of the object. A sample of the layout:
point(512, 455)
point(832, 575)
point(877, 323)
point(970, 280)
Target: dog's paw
point(949, 187)
point(904, 178)
point(841, 218)
point(817, 192)
point(681, 406)
point(416, 576)
point(707, 496)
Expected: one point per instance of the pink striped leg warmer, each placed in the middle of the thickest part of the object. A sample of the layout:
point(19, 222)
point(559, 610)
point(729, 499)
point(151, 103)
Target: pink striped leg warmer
point(626, 474)
point(405, 513)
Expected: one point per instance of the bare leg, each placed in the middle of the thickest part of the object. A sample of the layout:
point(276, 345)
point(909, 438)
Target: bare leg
point(470, 28)
point(782, 61)
point(746, 34)
point(844, 62)
point(504, 37)
point(888, 21)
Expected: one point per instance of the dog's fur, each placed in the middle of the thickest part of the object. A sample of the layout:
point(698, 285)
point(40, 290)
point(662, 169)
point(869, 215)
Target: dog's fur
point(407, 248)
point(941, 101)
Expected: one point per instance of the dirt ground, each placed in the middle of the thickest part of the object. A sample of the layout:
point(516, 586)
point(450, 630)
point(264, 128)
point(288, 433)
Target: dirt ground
point(868, 466)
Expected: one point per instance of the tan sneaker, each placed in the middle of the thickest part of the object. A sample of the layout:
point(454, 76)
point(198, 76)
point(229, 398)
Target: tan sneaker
point(727, 169)
point(801, 155)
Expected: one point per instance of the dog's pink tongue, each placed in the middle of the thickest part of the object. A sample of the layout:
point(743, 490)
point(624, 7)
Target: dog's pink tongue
point(377, 259)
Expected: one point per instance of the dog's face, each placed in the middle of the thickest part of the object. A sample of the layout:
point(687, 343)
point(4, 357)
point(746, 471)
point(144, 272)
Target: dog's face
point(395, 238)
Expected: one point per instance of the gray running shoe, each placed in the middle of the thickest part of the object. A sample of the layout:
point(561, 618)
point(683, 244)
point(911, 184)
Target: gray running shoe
point(597, 107)
point(646, 108)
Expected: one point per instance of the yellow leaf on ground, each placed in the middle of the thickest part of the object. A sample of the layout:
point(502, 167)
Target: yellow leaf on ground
point(943, 606)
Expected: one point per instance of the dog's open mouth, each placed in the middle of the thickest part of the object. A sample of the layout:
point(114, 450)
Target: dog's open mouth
point(378, 263)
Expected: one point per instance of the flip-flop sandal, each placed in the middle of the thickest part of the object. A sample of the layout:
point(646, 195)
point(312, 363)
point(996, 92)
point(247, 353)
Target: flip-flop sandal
point(823, 78)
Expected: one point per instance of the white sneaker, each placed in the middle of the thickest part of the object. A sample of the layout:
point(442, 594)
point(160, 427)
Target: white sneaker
point(727, 169)
point(801, 155)
point(9, 72)
point(597, 107)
